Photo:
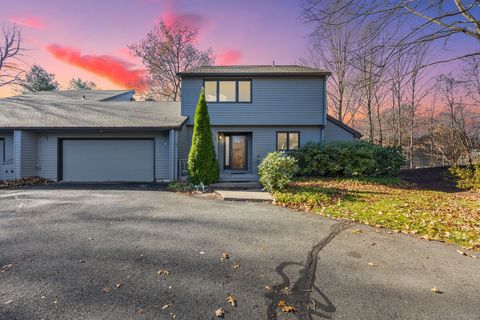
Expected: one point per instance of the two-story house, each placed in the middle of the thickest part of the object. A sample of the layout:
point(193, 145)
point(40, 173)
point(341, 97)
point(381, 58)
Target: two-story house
point(98, 136)
point(255, 110)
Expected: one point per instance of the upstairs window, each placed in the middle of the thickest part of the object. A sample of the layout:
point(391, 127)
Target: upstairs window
point(288, 141)
point(211, 90)
point(228, 91)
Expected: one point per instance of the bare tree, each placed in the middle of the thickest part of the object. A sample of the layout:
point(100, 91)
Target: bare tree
point(416, 91)
point(371, 66)
point(332, 49)
point(10, 53)
point(471, 78)
point(426, 20)
point(456, 135)
point(167, 50)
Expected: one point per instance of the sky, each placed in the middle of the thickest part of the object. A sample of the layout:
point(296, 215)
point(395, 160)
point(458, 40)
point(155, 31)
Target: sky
point(89, 38)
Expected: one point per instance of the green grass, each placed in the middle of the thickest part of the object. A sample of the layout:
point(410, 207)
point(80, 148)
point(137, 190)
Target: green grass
point(390, 203)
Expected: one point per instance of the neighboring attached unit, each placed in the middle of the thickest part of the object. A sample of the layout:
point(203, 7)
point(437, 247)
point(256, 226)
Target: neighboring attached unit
point(104, 136)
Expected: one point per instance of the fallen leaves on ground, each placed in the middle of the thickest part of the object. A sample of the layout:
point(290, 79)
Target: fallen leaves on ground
point(163, 272)
point(9, 301)
point(166, 306)
point(371, 264)
point(356, 231)
point(220, 313)
point(235, 266)
point(232, 300)
point(285, 308)
point(224, 256)
point(436, 290)
point(6, 267)
point(17, 183)
point(119, 285)
point(106, 290)
point(466, 254)
point(391, 204)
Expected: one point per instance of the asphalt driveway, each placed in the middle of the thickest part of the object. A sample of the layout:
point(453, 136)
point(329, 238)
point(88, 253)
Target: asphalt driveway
point(80, 252)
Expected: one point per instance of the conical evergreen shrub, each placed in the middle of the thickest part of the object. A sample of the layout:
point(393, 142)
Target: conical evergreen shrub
point(202, 160)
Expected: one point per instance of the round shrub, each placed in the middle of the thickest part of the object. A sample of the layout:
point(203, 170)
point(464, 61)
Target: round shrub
point(277, 170)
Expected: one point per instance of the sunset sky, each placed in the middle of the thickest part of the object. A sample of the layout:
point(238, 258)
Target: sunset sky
point(89, 38)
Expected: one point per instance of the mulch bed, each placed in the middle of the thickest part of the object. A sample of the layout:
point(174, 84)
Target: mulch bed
point(25, 182)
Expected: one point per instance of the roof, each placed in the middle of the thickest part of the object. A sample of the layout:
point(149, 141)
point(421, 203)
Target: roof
point(92, 95)
point(50, 111)
point(356, 133)
point(257, 70)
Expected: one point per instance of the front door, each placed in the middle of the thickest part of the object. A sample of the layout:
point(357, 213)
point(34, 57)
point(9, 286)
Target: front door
point(236, 151)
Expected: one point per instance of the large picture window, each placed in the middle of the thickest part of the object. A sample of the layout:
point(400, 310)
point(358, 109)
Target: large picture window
point(288, 141)
point(228, 91)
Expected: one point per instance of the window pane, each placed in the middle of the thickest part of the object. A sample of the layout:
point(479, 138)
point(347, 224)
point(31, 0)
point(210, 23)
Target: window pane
point(227, 151)
point(227, 91)
point(211, 91)
point(244, 93)
point(281, 140)
point(293, 141)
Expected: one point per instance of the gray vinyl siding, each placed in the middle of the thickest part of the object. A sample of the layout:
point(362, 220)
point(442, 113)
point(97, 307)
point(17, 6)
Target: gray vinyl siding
point(24, 153)
point(275, 101)
point(8, 151)
point(29, 154)
point(162, 165)
point(48, 151)
point(17, 152)
point(183, 143)
point(263, 140)
point(334, 132)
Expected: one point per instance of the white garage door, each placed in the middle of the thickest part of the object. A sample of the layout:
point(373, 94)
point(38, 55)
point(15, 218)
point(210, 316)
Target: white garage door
point(108, 160)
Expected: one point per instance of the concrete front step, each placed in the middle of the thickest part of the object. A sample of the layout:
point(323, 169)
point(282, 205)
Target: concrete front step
point(235, 185)
point(245, 195)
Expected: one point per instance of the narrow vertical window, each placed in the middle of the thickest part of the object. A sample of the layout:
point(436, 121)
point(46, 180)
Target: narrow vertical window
point(282, 141)
point(293, 141)
point(244, 91)
point(227, 91)
point(211, 91)
point(227, 151)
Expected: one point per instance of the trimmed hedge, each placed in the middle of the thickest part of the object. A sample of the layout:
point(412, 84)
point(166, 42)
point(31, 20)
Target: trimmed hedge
point(358, 158)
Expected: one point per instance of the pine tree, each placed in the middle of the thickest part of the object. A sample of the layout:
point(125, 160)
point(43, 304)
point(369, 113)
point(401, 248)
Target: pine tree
point(202, 160)
point(38, 79)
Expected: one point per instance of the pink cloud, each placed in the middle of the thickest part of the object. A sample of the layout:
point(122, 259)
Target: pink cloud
point(191, 19)
point(229, 57)
point(118, 71)
point(30, 22)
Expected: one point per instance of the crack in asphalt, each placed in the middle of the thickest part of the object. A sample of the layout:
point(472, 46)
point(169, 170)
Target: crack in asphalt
point(300, 295)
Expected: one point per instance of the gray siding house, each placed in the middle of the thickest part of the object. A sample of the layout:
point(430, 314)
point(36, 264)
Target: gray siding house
point(99, 136)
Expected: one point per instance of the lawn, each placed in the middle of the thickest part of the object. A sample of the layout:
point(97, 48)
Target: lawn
point(390, 203)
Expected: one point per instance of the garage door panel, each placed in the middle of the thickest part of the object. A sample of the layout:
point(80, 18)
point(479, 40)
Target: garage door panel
point(108, 160)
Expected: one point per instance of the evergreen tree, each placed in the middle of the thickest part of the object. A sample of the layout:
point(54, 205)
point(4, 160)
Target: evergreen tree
point(202, 160)
point(79, 84)
point(38, 79)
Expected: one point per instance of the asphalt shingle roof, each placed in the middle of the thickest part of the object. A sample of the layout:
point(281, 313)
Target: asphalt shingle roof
point(92, 95)
point(254, 70)
point(56, 111)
